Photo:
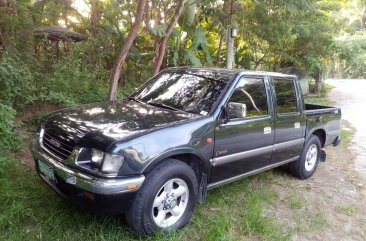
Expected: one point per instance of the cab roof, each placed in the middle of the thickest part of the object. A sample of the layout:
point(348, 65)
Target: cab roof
point(226, 74)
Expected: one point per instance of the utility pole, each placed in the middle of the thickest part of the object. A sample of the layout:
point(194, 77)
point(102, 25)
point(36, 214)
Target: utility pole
point(230, 39)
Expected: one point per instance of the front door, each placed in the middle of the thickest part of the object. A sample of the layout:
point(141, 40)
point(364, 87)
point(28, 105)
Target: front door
point(244, 143)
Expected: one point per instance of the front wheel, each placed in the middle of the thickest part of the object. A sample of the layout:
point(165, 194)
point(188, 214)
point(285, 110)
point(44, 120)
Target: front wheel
point(306, 165)
point(166, 200)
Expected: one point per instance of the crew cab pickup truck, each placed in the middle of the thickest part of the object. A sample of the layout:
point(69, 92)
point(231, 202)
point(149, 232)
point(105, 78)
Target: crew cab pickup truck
point(154, 154)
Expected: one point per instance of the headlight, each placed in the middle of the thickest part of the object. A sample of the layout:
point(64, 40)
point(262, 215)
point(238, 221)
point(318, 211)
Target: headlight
point(96, 156)
point(94, 159)
point(112, 163)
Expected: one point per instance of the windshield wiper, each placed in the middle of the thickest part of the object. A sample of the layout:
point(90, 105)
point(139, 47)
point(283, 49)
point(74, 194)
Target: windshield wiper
point(163, 106)
point(153, 103)
point(134, 99)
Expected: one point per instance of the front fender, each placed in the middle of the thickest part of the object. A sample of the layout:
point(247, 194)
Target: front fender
point(176, 152)
point(144, 152)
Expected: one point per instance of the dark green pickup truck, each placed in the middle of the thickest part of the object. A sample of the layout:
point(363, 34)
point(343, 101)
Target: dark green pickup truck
point(154, 155)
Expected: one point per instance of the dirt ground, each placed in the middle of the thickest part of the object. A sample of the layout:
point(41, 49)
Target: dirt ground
point(332, 204)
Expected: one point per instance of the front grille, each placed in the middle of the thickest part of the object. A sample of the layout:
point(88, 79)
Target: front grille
point(56, 146)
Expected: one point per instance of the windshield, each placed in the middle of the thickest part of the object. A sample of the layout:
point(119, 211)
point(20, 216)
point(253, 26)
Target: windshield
point(182, 91)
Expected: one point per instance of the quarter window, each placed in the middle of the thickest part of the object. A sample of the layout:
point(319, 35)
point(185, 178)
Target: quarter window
point(285, 95)
point(252, 93)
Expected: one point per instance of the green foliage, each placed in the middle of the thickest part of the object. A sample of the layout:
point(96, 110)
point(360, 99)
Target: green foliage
point(191, 58)
point(70, 83)
point(197, 54)
point(272, 35)
point(284, 33)
point(187, 18)
point(320, 98)
point(9, 140)
point(159, 30)
point(352, 50)
point(15, 81)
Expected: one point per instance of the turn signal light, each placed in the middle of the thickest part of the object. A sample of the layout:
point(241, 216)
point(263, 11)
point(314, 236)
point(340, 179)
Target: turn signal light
point(132, 187)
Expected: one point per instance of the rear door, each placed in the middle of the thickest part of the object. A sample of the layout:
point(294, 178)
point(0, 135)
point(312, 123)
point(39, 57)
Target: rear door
point(243, 144)
point(290, 120)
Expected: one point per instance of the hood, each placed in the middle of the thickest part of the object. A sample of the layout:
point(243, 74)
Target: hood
point(102, 123)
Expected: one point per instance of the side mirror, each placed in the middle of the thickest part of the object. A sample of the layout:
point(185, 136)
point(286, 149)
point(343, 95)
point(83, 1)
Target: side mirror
point(236, 110)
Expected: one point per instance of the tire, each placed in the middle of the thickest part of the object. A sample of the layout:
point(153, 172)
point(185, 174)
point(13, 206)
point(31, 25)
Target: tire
point(153, 210)
point(306, 165)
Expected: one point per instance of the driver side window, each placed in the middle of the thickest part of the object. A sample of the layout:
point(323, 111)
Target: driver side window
point(252, 93)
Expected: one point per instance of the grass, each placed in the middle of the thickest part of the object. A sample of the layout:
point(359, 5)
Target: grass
point(320, 98)
point(347, 132)
point(346, 209)
point(295, 201)
point(29, 210)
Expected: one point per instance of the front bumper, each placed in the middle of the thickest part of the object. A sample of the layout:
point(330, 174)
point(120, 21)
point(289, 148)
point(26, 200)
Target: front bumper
point(89, 191)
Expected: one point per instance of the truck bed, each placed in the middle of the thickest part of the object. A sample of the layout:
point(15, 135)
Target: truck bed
point(312, 109)
point(326, 118)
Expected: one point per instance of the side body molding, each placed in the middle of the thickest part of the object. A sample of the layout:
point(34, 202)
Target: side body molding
point(217, 161)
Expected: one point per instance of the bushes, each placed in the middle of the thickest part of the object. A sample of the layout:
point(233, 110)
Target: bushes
point(73, 82)
point(16, 82)
point(9, 140)
point(68, 83)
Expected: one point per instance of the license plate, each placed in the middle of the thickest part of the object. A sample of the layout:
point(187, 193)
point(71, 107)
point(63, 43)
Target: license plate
point(46, 170)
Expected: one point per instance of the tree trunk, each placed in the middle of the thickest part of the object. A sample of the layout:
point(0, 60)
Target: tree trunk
point(164, 41)
point(230, 40)
point(94, 16)
point(7, 8)
point(116, 71)
point(147, 19)
point(230, 51)
point(217, 62)
point(363, 16)
point(318, 82)
point(258, 62)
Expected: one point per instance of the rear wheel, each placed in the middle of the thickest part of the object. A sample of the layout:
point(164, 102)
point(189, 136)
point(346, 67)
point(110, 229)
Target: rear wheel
point(166, 200)
point(306, 165)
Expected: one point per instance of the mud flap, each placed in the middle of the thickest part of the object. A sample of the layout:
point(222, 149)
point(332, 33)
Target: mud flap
point(323, 156)
point(202, 189)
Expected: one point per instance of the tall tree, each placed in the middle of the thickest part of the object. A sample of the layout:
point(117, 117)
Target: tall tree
point(357, 13)
point(94, 16)
point(164, 40)
point(230, 39)
point(7, 9)
point(117, 68)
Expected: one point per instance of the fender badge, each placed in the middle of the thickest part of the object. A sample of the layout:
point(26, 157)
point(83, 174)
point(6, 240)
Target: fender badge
point(297, 125)
point(267, 130)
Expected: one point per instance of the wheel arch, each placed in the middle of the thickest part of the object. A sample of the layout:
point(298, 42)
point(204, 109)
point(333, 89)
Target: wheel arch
point(321, 134)
point(195, 160)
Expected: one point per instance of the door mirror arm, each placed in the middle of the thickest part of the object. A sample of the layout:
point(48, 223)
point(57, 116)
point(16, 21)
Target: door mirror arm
point(224, 116)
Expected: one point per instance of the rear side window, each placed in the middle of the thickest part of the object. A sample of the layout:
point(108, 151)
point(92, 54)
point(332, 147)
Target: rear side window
point(285, 95)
